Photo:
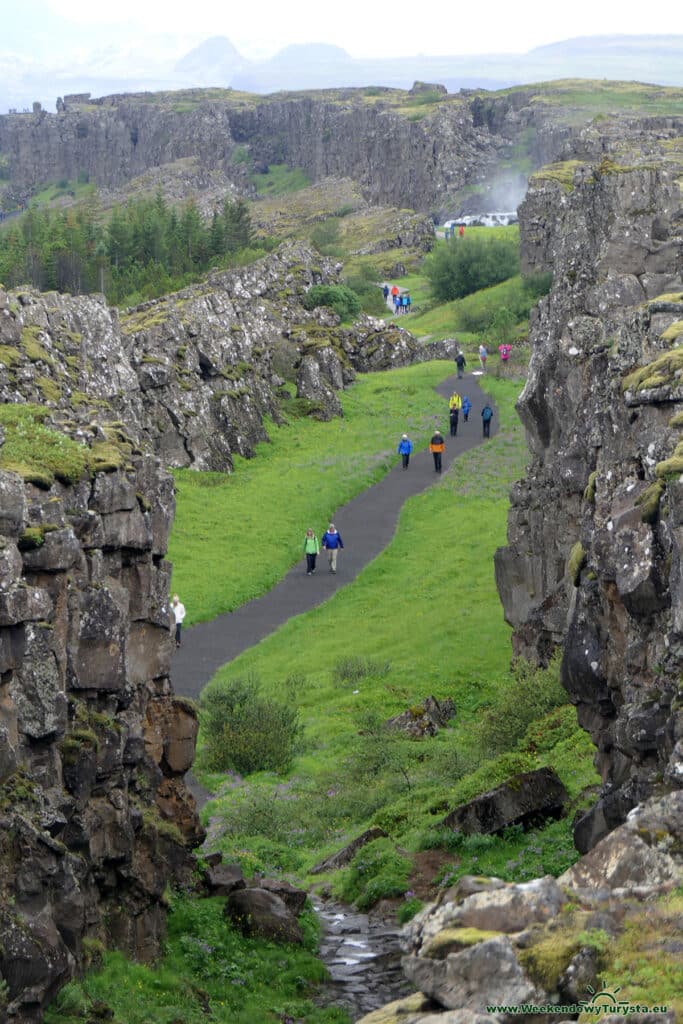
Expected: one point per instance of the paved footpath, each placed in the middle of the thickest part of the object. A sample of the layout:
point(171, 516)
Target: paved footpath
point(366, 524)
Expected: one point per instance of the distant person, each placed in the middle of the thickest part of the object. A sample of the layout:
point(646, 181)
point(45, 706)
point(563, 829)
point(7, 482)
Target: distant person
point(505, 351)
point(385, 292)
point(461, 231)
point(454, 407)
point(404, 303)
point(409, 302)
point(394, 292)
point(397, 304)
point(311, 550)
point(332, 542)
point(486, 417)
point(483, 356)
point(405, 450)
point(178, 610)
point(466, 406)
point(437, 447)
point(460, 362)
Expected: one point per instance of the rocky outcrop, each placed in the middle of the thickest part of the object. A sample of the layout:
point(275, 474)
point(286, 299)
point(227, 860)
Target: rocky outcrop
point(601, 576)
point(95, 818)
point(192, 375)
point(488, 945)
point(527, 799)
point(421, 161)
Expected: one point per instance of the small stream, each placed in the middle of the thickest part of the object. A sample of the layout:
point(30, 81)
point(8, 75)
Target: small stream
point(362, 954)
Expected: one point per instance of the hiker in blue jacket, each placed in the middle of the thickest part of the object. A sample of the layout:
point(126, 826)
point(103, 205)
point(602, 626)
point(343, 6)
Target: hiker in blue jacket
point(332, 542)
point(466, 406)
point(486, 417)
point(405, 448)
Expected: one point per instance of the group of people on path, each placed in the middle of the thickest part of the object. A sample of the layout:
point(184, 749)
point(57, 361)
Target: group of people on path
point(401, 301)
point(331, 542)
point(437, 445)
point(504, 349)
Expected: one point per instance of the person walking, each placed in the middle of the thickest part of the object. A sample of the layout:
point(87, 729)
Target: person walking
point(332, 542)
point(397, 304)
point(454, 407)
point(178, 609)
point(409, 302)
point(405, 450)
point(460, 362)
point(466, 406)
point(505, 351)
point(486, 417)
point(437, 447)
point(461, 231)
point(483, 356)
point(311, 550)
point(385, 292)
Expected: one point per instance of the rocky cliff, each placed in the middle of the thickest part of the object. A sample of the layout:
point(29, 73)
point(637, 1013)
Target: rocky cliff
point(593, 562)
point(416, 149)
point(95, 819)
point(192, 375)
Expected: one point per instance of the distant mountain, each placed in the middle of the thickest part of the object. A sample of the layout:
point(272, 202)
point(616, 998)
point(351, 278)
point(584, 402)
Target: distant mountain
point(214, 61)
point(43, 55)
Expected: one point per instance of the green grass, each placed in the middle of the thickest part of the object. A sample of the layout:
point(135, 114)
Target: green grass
point(423, 618)
point(254, 520)
point(209, 972)
point(50, 192)
point(37, 453)
point(280, 180)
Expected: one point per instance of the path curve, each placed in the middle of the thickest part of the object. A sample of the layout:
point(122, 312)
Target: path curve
point(367, 524)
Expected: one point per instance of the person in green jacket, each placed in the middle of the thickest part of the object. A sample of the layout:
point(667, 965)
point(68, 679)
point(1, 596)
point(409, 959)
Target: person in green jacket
point(311, 550)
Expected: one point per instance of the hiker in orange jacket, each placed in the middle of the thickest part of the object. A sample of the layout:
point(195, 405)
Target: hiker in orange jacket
point(437, 447)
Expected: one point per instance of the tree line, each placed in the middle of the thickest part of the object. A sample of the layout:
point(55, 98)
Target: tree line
point(145, 249)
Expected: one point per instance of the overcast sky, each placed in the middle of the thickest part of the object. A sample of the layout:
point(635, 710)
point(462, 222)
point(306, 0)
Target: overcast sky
point(375, 29)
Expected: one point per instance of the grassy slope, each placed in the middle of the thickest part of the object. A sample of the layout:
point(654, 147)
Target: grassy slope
point(428, 606)
point(251, 523)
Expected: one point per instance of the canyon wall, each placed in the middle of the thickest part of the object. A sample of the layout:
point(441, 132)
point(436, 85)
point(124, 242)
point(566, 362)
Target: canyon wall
point(593, 562)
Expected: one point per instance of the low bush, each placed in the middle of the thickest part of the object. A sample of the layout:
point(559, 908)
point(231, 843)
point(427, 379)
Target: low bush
point(463, 266)
point(530, 694)
point(338, 297)
point(378, 871)
point(246, 732)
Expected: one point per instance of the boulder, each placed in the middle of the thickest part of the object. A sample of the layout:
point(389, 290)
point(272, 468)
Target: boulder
point(526, 799)
point(260, 914)
point(345, 856)
point(424, 719)
point(222, 879)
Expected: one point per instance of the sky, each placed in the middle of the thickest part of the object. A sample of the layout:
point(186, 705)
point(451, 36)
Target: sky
point(373, 29)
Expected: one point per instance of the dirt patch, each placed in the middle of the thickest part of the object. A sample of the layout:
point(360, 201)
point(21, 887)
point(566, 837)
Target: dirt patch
point(428, 865)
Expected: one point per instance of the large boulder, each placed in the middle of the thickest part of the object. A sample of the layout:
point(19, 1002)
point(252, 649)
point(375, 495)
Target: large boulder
point(260, 914)
point(526, 799)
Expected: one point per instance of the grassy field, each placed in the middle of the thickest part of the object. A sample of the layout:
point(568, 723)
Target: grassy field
point(251, 523)
point(422, 619)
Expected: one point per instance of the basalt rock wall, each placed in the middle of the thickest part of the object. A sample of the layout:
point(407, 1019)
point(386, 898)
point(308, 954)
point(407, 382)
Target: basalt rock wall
point(418, 158)
point(593, 562)
point(191, 376)
point(95, 818)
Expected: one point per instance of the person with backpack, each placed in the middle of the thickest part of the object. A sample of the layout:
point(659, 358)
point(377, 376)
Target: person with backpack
point(466, 406)
point(486, 417)
point(460, 362)
point(405, 449)
point(437, 447)
point(311, 550)
point(332, 542)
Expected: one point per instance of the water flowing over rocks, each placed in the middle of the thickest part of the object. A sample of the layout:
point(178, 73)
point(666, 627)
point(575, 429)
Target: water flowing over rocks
point(95, 818)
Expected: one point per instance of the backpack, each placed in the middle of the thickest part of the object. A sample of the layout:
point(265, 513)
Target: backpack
point(487, 413)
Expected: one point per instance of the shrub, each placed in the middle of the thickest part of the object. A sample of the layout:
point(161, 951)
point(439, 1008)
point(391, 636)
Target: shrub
point(378, 871)
point(338, 297)
point(351, 669)
point(325, 237)
point(463, 266)
point(531, 693)
point(407, 911)
point(246, 732)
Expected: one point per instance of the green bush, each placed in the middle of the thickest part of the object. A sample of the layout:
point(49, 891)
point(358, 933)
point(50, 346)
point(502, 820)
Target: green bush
point(246, 732)
point(378, 871)
point(466, 265)
point(338, 297)
point(528, 696)
point(326, 236)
